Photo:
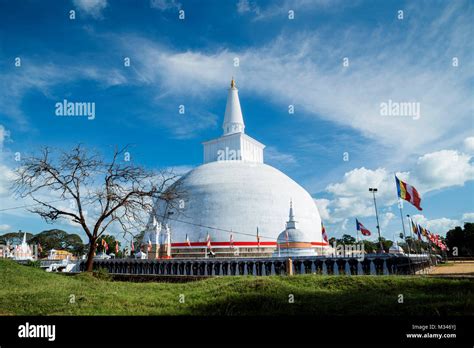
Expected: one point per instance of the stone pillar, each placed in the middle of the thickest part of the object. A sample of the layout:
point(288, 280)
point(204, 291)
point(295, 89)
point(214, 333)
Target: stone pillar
point(289, 267)
point(229, 269)
point(302, 268)
point(324, 268)
point(264, 271)
point(385, 269)
point(347, 269)
point(373, 271)
point(205, 268)
point(245, 269)
point(237, 269)
point(254, 269)
point(360, 269)
point(335, 268)
point(313, 267)
point(272, 270)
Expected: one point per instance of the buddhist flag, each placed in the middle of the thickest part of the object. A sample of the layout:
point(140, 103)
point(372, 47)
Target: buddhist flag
point(418, 232)
point(208, 240)
point(149, 245)
point(408, 193)
point(116, 247)
point(361, 228)
point(414, 227)
point(187, 241)
point(40, 249)
point(258, 239)
point(323, 231)
point(132, 247)
point(105, 245)
point(424, 232)
point(231, 242)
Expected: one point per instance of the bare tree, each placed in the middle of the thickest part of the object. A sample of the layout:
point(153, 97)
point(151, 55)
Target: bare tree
point(99, 192)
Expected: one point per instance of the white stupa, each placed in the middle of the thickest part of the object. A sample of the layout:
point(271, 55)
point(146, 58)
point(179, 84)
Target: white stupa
point(235, 193)
point(293, 241)
point(23, 252)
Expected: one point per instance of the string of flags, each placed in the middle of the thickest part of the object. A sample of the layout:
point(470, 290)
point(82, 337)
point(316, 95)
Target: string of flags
point(420, 232)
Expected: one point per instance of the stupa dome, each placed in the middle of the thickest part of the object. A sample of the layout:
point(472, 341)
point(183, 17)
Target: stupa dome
point(237, 197)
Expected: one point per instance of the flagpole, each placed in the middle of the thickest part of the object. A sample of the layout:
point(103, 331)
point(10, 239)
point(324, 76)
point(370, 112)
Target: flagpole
point(373, 190)
point(411, 232)
point(404, 232)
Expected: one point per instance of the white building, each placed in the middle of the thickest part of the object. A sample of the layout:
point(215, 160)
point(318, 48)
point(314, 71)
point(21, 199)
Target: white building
point(234, 193)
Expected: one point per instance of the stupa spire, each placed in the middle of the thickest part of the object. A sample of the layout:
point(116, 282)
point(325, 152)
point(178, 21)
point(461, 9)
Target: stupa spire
point(291, 219)
point(233, 119)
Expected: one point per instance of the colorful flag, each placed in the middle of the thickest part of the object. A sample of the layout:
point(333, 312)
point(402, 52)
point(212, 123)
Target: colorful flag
point(231, 242)
point(132, 247)
point(105, 245)
point(187, 241)
point(408, 193)
point(323, 231)
point(149, 245)
point(424, 232)
point(361, 228)
point(116, 247)
point(414, 227)
point(418, 232)
point(258, 239)
point(40, 249)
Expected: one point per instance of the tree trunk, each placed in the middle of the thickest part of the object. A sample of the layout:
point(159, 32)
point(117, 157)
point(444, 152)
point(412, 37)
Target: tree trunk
point(90, 255)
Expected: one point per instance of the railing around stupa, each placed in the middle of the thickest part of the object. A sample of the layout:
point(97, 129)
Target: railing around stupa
point(370, 265)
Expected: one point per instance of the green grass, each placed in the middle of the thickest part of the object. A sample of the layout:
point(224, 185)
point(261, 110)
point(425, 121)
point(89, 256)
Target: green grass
point(31, 291)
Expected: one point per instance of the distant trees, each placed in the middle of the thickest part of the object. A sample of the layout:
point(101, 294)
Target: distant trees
point(14, 237)
point(59, 240)
point(50, 239)
point(461, 240)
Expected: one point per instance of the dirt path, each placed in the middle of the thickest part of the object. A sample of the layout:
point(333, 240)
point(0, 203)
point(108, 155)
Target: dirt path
point(458, 268)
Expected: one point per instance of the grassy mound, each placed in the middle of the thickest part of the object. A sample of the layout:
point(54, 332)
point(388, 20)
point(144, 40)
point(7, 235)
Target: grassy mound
point(31, 291)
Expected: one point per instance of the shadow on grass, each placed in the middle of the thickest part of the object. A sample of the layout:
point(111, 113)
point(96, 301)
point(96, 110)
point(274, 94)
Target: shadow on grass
point(342, 297)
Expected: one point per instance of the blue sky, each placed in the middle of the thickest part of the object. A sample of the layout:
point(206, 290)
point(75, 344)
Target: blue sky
point(282, 61)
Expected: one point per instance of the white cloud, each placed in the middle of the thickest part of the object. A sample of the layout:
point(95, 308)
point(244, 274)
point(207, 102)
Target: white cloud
point(245, 6)
point(469, 144)
point(305, 68)
point(322, 205)
point(43, 78)
point(4, 134)
point(165, 5)
point(432, 171)
point(273, 156)
point(439, 226)
point(93, 8)
point(386, 218)
point(468, 217)
point(442, 169)
point(5, 227)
